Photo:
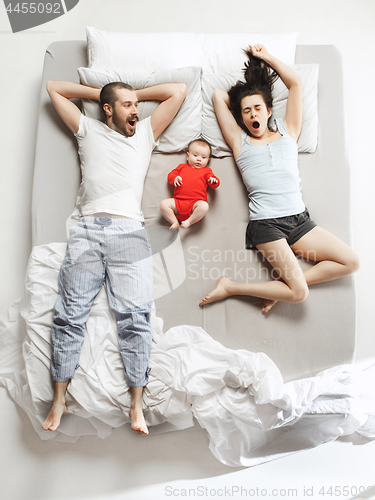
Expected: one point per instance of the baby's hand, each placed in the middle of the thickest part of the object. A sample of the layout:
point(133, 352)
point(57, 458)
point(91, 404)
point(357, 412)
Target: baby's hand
point(178, 181)
point(212, 180)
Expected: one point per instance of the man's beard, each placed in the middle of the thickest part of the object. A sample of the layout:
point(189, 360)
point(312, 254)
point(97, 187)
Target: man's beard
point(121, 125)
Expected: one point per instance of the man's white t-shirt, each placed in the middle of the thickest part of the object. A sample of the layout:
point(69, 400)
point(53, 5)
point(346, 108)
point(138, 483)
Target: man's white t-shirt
point(113, 168)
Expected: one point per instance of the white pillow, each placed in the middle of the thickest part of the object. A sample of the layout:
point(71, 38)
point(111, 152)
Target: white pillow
point(307, 141)
point(185, 127)
point(137, 51)
point(155, 51)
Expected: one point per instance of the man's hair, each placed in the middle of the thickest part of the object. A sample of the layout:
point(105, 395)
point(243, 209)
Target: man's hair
point(108, 93)
point(202, 141)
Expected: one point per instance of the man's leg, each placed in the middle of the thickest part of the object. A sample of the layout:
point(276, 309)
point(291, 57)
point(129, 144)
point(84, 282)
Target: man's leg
point(129, 287)
point(138, 423)
point(80, 279)
point(58, 407)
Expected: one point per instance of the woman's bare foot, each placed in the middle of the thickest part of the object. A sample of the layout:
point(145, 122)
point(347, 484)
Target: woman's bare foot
point(52, 422)
point(138, 423)
point(174, 226)
point(220, 292)
point(267, 305)
point(186, 223)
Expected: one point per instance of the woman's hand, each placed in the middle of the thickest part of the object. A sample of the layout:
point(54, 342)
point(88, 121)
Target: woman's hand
point(259, 51)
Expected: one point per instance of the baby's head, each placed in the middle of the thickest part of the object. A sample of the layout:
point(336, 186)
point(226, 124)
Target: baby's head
point(198, 154)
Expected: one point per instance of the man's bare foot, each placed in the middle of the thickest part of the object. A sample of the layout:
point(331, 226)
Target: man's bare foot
point(186, 223)
point(267, 305)
point(220, 292)
point(138, 423)
point(174, 226)
point(52, 422)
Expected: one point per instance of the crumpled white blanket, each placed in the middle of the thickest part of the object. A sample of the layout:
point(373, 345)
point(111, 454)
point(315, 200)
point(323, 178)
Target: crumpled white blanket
point(239, 397)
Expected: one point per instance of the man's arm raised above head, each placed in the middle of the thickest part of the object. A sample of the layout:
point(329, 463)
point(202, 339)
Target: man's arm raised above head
point(61, 93)
point(171, 95)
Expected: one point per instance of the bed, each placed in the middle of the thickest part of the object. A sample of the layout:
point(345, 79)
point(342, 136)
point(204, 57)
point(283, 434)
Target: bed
point(296, 360)
point(301, 339)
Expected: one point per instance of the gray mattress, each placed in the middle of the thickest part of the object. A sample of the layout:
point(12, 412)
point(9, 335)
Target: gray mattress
point(301, 339)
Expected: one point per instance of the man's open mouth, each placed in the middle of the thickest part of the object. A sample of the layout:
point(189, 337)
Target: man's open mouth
point(133, 121)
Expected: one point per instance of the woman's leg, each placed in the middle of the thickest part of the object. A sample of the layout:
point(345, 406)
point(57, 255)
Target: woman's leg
point(199, 210)
point(291, 288)
point(169, 211)
point(334, 258)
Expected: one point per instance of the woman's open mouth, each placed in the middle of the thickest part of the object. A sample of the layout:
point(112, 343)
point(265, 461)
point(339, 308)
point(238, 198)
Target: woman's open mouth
point(256, 125)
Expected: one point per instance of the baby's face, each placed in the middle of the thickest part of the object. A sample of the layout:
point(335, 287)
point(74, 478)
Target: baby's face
point(198, 155)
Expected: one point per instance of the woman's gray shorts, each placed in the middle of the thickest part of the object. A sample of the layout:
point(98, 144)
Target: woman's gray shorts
point(292, 227)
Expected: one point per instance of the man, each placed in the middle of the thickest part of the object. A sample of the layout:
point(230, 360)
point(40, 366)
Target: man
point(108, 243)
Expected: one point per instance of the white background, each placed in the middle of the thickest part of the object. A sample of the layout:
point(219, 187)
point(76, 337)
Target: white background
point(31, 469)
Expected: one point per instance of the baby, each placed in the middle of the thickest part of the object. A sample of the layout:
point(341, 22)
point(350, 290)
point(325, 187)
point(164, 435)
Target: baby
point(189, 203)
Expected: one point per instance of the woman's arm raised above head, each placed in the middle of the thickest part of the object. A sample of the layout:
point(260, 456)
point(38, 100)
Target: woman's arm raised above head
point(293, 117)
point(228, 125)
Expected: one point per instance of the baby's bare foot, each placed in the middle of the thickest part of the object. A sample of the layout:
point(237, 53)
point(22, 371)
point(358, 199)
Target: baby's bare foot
point(174, 226)
point(186, 223)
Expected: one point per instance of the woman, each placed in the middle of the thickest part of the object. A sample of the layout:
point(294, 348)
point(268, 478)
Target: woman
point(280, 226)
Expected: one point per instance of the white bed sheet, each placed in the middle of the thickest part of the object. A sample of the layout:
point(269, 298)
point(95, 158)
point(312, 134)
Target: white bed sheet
point(239, 397)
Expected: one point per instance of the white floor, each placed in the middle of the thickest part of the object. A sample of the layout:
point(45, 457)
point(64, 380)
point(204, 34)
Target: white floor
point(125, 466)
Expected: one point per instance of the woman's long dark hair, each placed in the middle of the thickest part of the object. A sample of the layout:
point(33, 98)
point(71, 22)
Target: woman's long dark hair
point(259, 80)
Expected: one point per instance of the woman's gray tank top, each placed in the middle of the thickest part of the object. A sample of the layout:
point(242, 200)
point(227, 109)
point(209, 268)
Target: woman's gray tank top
point(270, 174)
